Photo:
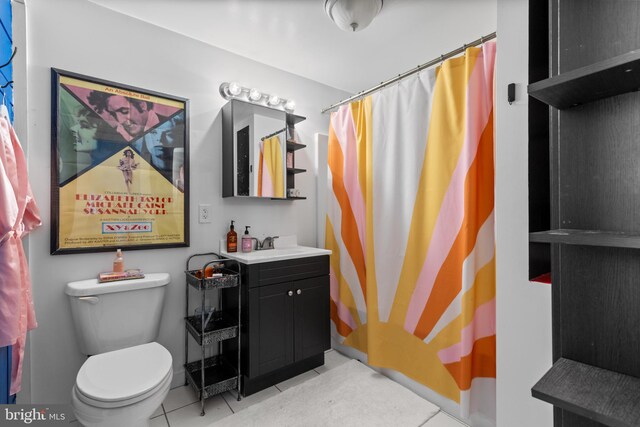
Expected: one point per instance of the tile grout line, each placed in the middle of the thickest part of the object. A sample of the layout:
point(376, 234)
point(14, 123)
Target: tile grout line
point(180, 407)
point(225, 401)
point(183, 406)
point(164, 412)
point(430, 418)
point(454, 418)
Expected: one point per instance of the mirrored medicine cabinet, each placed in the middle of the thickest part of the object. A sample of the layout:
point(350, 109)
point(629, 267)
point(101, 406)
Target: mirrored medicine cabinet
point(255, 143)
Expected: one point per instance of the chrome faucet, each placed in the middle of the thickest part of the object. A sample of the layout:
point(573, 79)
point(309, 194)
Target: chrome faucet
point(267, 243)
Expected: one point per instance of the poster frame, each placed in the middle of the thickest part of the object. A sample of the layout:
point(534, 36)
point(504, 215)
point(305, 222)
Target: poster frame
point(55, 248)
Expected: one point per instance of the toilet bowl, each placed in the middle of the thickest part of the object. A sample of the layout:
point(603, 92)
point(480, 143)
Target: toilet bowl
point(122, 387)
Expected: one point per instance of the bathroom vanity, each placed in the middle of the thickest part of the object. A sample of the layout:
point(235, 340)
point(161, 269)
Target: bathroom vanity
point(285, 314)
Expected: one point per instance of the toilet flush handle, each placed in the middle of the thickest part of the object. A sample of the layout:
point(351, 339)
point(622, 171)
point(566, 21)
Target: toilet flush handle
point(90, 300)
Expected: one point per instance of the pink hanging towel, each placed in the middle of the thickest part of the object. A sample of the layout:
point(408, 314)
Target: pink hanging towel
point(18, 216)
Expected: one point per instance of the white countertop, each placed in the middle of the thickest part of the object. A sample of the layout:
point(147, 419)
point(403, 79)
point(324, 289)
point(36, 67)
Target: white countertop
point(280, 253)
point(269, 255)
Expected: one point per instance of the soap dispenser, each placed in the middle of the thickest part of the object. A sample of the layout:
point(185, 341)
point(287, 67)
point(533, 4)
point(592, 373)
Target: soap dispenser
point(232, 239)
point(247, 241)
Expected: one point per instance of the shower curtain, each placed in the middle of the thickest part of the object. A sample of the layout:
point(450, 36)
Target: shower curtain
point(410, 221)
point(270, 173)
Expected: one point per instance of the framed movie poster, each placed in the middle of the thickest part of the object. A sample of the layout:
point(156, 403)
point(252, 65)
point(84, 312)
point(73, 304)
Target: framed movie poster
point(119, 166)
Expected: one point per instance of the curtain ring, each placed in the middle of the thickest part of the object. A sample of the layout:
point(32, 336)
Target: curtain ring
point(481, 39)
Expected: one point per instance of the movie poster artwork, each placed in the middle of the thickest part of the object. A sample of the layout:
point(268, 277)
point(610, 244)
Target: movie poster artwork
point(120, 164)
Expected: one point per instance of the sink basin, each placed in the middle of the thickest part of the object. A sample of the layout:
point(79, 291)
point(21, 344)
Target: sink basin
point(278, 254)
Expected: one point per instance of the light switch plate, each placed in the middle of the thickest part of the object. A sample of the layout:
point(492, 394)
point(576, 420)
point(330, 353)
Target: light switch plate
point(204, 214)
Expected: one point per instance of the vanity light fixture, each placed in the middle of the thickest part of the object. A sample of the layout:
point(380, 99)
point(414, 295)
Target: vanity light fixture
point(234, 91)
point(254, 94)
point(274, 100)
point(290, 105)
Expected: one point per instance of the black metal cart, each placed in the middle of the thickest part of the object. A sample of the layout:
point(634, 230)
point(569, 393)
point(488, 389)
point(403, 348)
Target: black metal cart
point(215, 374)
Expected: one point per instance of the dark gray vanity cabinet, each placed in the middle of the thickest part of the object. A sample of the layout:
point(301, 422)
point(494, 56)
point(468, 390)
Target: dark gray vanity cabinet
point(290, 321)
point(285, 318)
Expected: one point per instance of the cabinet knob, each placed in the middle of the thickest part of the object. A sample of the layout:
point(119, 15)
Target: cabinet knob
point(290, 293)
point(298, 292)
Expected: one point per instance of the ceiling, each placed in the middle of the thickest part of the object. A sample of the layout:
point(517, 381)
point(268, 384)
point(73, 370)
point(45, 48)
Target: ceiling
point(298, 37)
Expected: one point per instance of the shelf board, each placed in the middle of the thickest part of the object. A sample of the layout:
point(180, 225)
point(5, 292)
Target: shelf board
point(222, 326)
point(293, 119)
point(295, 170)
point(228, 280)
point(605, 396)
point(293, 146)
point(288, 198)
point(613, 239)
point(219, 376)
point(603, 79)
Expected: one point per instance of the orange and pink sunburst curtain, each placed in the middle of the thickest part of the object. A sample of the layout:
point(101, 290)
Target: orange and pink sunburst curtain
point(410, 221)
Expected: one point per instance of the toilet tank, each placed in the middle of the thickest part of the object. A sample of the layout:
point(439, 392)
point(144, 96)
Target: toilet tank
point(115, 315)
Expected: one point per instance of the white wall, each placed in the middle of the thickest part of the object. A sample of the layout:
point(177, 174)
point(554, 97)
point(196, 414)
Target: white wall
point(523, 309)
point(80, 36)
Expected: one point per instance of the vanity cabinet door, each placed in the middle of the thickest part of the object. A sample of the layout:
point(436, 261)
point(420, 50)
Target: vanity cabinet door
point(271, 328)
point(311, 316)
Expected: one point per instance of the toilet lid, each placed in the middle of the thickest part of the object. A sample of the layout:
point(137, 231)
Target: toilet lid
point(124, 374)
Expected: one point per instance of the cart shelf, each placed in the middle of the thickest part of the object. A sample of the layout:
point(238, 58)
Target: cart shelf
point(229, 279)
point(222, 326)
point(219, 376)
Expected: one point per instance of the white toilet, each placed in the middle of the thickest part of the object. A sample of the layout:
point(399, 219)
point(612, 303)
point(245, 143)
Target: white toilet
point(128, 375)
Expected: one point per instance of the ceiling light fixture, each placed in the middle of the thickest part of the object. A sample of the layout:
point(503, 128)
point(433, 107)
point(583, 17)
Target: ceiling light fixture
point(234, 91)
point(352, 15)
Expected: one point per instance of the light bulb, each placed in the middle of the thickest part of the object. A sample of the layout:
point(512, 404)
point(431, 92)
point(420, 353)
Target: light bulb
point(290, 105)
point(234, 89)
point(274, 100)
point(254, 94)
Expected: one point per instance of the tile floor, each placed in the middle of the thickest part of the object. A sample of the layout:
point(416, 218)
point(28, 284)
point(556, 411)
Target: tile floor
point(181, 408)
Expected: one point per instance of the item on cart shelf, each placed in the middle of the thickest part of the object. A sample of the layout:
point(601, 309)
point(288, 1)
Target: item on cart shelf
point(212, 270)
point(208, 312)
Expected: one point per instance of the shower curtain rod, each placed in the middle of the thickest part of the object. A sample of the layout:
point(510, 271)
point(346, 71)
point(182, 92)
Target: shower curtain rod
point(441, 58)
point(273, 134)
